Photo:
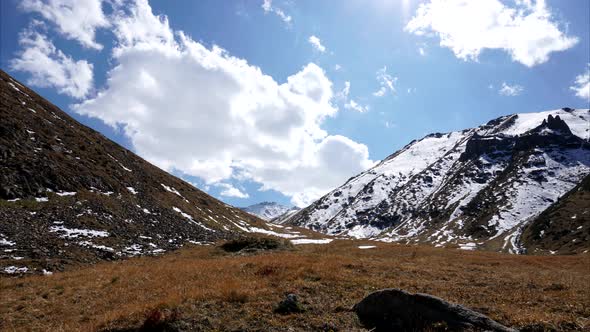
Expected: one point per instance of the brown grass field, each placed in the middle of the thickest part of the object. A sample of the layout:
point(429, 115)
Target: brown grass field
point(206, 289)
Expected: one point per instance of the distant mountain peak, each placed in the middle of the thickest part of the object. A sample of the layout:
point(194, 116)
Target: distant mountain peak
point(266, 210)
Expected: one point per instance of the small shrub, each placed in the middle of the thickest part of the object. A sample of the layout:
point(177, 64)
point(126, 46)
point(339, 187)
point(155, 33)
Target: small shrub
point(290, 305)
point(255, 243)
point(266, 271)
point(555, 287)
point(235, 296)
point(163, 320)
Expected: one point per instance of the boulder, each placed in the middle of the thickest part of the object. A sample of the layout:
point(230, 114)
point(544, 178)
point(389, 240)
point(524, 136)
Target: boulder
point(398, 310)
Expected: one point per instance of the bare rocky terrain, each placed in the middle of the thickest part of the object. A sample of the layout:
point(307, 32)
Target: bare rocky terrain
point(69, 195)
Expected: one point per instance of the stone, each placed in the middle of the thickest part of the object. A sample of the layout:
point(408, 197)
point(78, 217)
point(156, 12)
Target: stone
point(398, 310)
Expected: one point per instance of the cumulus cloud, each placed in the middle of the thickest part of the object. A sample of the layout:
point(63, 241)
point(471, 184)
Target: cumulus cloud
point(526, 31)
point(231, 191)
point(510, 90)
point(581, 86)
point(268, 7)
point(317, 44)
point(386, 81)
point(50, 67)
point(335, 159)
point(75, 19)
point(205, 113)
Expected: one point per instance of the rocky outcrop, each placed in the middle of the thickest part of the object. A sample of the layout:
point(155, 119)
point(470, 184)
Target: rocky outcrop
point(398, 310)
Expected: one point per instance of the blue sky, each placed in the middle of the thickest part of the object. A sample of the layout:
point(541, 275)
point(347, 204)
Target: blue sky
point(306, 93)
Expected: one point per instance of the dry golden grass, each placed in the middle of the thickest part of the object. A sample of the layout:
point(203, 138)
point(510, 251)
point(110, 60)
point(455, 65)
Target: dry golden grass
point(210, 290)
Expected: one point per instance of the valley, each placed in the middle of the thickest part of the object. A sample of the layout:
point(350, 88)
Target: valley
point(93, 237)
point(203, 288)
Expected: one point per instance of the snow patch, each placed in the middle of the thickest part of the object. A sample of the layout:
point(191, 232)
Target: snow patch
point(468, 246)
point(73, 233)
point(171, 189)
point(15, 269)
point(311, 241)
point(66, 193)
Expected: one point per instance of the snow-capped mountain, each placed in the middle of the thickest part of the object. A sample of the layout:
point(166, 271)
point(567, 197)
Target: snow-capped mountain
point(476, 188)
point(285, 217)
point(266, 210)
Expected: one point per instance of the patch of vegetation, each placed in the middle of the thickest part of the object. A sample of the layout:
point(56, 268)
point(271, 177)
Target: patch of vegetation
point(249, 244)
point(290, 305)
point(29, 204)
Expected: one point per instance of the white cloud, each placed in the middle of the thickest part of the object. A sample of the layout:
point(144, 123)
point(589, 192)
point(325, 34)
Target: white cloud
point(386, 81)
point(50, 67)
point(268, 7)
point(136, 27)
point(350, 104)
point(582, 85)
point(343, 94)
point(422, 51)
point(317, 44)
point(510, 90)
point(202, 112)
point(353, 105)
point(75, 19)
point(336, 158)
point(467, 27)
point(231, 191)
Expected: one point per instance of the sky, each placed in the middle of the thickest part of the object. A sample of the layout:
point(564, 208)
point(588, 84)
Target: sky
point(283, 101)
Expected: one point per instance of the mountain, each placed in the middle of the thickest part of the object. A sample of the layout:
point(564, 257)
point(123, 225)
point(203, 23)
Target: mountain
point(479, 188)
point(285, 217)
point(266, 210)
point(69, 195)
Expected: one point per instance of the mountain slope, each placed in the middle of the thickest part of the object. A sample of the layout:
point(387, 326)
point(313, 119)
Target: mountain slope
point(266, 210)
point(70, 195)
point(564, 225)
point(475, 188)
